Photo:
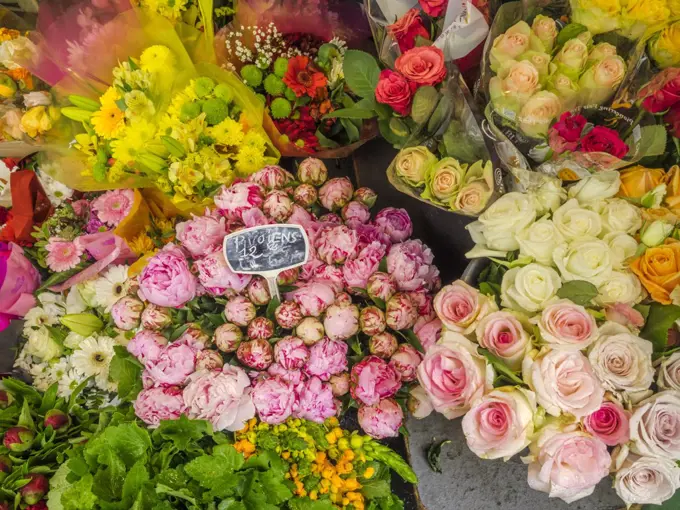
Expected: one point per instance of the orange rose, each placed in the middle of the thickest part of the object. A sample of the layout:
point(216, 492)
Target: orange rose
point(638, 180)
point(423, 65)
point(659, 270)
point(658, 213)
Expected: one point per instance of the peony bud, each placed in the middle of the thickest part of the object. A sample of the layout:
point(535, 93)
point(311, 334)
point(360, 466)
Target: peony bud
point(312, 171)
point(305, 195)
point(336, 193)
point(405, 361)
point(228, 337)
point(57, 419)
point(156, 317)
point(208, 359)
point(310, 330)
point(5, 467)
point(341, 322)
point(126, 312)
point(330, 218)
point(288, 314)
point(291, 353)
point(343, 299)
point(278, 206)
point(5, 506)
point(260, 328)
point(340, 384)
point(655, 233)
point(400, 312)
point(381, 286)
point(240, 310)
point(288, 277)
point(255, 354)
point(194, 336)
point(383, 344)
point(18, 439)
point(258, 291)
point(4, 399)
point(34, 490)
point(372, 320)
point(82, 323)
point(355, 213)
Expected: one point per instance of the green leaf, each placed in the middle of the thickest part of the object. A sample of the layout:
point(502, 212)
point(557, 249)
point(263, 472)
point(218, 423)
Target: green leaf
point(231, 504)
point(412, 339)
point(25, 418)
point(383, 265)
point(490, 289)
point(652, 142)
point(350, 113)
point(209, 471)
point(501, 367)
point(128, 441)
point(578, 291)
point(276, 490)
point(20, 390)
point(178, 332)
point(49, 399)
point(307, 504)
point(231, 459)
point(57, 278)
point(57, 335)
point(326, 142)
point(352, 131)
point(361, 72)
point(126, 372)
point(380, 303)
point(271, 309)
point(569, 32)
point(433, 454)
point(134, 481)
point(183, 431)
point(79, 496)
point(661, 318)
point(181, 494)
point(375, 488)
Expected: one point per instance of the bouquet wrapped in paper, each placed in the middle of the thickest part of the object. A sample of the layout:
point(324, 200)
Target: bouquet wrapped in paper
point(291, 54)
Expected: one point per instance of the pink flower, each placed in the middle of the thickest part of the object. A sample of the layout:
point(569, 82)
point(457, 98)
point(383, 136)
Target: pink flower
point(63, 255)
point(147, 346)
point(503, 335)
point(381, 420)
point(372, 380)
point(18, 280)
point(291, 352)
point(423, 302)
point(428, 332)
point(336, 193)
point(221, 397)
point(383, 344)
point(405, 361)
point(156, 317)
point(356, 272)
point(201, 235)
point(300, 217)
point(240, 310)
point(175, 363)
point(260, 328)
point(288, 277)
point(272, 177)
point(156, 404)
point(372, 320)
point(330, 275)
point(454, 375)
point(343, 299)
point(355, 213)
point(381, 286)
point(434, 8)
point(396, 223)
point(568, 465)
point(258, 291)
point(395, 91)
point(418, 403)
point(238, 198)
point(565, 325)
point(194, 337)
point(208, 360)
point(340, 384)
point(126, 312)
point(256, 354)
point(400, 312)
point(461, 307)
point(113, 206)
point(610, 424)
point(166, 280)
point(292, 376)
point(312, 171)
point(274, 400)
point(215, 275)
point(335, 245)
point(228, 337)
point(369, 234)
point(254, 218)
point(316, 401)
point(305, 195)
point(409, 263)
point(341, 322)
point(288, 314)
point(624, 314)
point(326, 358)
point(278, 206)
point(313, 298)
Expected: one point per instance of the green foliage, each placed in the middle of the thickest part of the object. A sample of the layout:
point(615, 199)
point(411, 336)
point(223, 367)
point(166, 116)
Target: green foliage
point(361, 73)
point(126, 371)
point(578, 291)
point(660, 319)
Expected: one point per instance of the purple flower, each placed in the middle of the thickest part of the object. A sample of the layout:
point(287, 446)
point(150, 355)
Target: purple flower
point(316, 401)
point(156, 404)
point(341, 322)
point(355, 213)
point(336, 244)
point(400, 312)
point(166, 280)
point(336, 193)
point(201, 235)
point(257, 354)
point(313, 298)
point(383, 344)
point(288, 314)
point(405, 361)
point(240, 310)
point(272, 177)
point(278, 206)
point(409, 263)
point(382, 419)
point(326, 358)
point(215, 275)
point(291, 352)
point(396, 223)
point(260, 328)
point(238, 198)
point(147, 345)
point(126, 312)
point(228, 337)
point(274, 400)
point(312, 171)
point(94, 224)
point(175, 363)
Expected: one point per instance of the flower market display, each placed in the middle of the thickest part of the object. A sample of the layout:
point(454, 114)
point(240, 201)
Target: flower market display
point(191, 318)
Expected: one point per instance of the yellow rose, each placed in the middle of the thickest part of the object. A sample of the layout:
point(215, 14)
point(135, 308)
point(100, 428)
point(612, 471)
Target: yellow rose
point(658, 213)
point(672, 181)
point(572, 57)
point(638, 180)
point(674, 6)
point(659, 270)
point(598, 16)
point(601, 80)
point(472, 199)
point(639, 14)
point(565, 88)
point(508, 46)
point(538, 113)
point(413, 163)
point(444, 179)
point(665, 46)
point(600, 51)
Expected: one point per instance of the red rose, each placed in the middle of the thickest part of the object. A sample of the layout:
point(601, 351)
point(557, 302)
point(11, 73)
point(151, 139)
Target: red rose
point(672, 118)
point(434, 8)
point(662, 92)
point(395, 91)
point(570, 126)
point(603, 139)
point(407, 28)
point(423, 65)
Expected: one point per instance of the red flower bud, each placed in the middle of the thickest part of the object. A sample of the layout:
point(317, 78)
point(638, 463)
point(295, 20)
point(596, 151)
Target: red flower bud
point(4, 505)
point(4, 399)
point(5, 467)
point(18, 439)
point(34, 490)
point(57, 419)
point(40, 505)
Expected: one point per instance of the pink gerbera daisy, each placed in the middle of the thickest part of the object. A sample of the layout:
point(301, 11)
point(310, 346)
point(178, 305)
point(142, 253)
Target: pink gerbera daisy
point(63, 255)
point(113, 206)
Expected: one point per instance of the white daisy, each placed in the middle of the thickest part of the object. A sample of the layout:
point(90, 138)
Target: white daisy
point(94, 356)
point(111, 286)
point(68, 382)
point(23, 361)
point(36, 318)
point(56, 191)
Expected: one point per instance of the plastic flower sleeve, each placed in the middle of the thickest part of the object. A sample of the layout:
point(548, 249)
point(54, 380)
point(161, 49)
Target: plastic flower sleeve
point(450, 162)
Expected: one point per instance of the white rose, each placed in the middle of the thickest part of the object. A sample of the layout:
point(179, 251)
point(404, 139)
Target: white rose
point(619, 215)
point(504, 218)
point(529, 288)
point(655, 426)
point(622, 247)
point(647, 481)
point(620, 287)
point(548, 197)
point(655, 233)
point(539, 241)
point(596, 187)
point(587, 259)
point(669, 372)
point(564, 382)
point(621, 360)
point(500, 423)
point(575, 222)
point(41, 345)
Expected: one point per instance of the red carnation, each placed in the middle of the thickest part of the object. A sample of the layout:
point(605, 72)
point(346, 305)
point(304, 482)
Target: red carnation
point(302, 78)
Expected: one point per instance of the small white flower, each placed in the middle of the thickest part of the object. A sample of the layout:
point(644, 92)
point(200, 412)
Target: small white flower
point(68, 382)
point(73, 340)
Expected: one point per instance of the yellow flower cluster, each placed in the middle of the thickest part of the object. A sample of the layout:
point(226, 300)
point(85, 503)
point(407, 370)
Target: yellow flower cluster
point(664, 47)
point(170, 9)
point(631, 17)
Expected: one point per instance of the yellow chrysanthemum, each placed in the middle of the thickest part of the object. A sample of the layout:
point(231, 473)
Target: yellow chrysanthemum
point(249, 160)
point(220, 172)
point(109, 98)
point(665, 47)
point(136, 136)
point(138, 105)
point(116, 172)
point(141, 244)
point(255, 139)
point(157, 59)
point(108, 121)
point(227, 132)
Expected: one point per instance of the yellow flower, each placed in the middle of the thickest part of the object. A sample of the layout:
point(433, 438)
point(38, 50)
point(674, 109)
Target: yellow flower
point(109, 98)
point(227, 132)
point(249, 160)
point(255, 139)
point(157, 59)
point(135, 138)
point(646, 11)
point(598, 16)
point(7, 34)
point(674, 6)
point(37, 120)
point(141, 244)
point(116, 172)
point(108, 121)
point(665, 47)
point(220, 171)
point(185, 178)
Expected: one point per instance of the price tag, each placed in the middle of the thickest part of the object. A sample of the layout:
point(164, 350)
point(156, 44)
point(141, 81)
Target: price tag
point(267, 250)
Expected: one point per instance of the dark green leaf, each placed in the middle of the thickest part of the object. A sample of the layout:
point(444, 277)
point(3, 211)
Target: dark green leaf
point(49, 399)
point(501, 367)
point(412, 339)
point(382, 267)
point(490, 289)
point(352, 131)
point(350, 113)
point(379, 303)
point(434, 453)
point(578, 291)
point(25, 418)
point(20, 390)
point(178, 332)
point(361, 73)
point(661, 318)
point(181, 494)
point(230, 458)
point(307, 504)
point(325, 141)
point(271, 309)
point(375, 488)
point(57, 278)
point(569, 32)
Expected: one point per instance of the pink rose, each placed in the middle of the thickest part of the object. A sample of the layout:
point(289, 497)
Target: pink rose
point(381, 420)
point(316, 401)
point(312, 171)
point(288, 314)
point(255, 354)
point(291, 352)
point(336, 244)
point(240, 310)
point(147, 345)
point(434, 8)
point(454, 375)
point(409, 263)
point(503, 335)
point(395, 91)
point(565, 325)
point(126, 312)
point(258, 291)
point(356, 272)
point(201, 234)
point(461, 307)
point(326, 358)
point(624, 314)
point(610, 424)
point(238, 198)
point(260, 328)
point(373, 379)
point(220, 396)
point(381, 286)
point(400, 312)
point(340, 384)
point(405, 361)
point(423, 65)
point(396, 223)
point(313, 298)
point(274, 400)
point(355, 213)
point(292, 376)
point(428, 332)
point(278, 205)
point(272, 177)
point(215, 275)
point(568, 465)
point(166, 280)
point(336, 193)
point(228, 337)
point(156, 317)
point(341, 322)
point(372, 320)
point(208, 360)
point(175, 363)
point(330, 275)
point(156, 404)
